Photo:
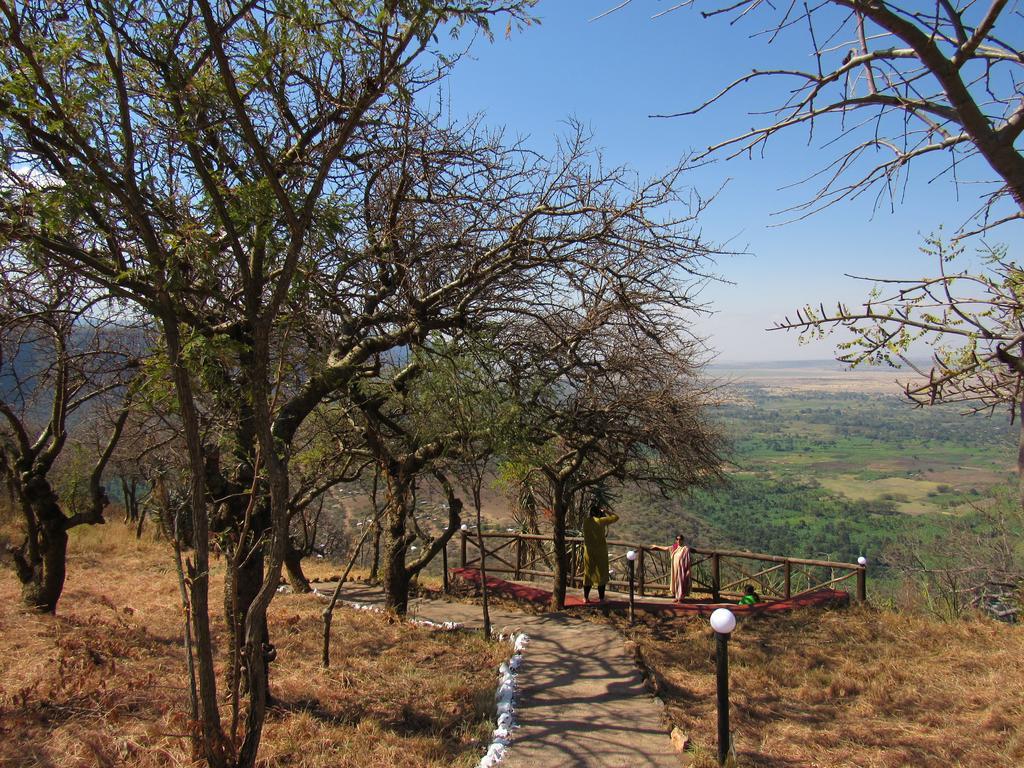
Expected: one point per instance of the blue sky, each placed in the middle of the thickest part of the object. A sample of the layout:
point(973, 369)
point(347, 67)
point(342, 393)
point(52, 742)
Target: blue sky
point(612, 73)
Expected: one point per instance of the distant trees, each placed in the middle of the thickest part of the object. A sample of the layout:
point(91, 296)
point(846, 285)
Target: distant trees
point(799, 518)
point(972, 320)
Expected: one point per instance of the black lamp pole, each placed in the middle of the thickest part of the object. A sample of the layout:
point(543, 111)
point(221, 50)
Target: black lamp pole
point(444, 564)
point(723, 622)
point(722, 675)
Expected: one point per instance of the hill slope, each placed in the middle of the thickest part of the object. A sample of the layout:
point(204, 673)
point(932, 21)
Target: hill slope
point(103, 681)
point(858, 687)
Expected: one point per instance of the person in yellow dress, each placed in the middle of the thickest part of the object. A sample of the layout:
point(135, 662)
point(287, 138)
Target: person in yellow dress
point(595, 549)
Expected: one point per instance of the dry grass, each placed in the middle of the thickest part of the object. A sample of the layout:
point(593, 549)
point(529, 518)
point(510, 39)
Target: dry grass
point(858, 687)
point(102, 683)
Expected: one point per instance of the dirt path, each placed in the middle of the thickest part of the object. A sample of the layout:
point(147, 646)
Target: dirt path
point(581, 700)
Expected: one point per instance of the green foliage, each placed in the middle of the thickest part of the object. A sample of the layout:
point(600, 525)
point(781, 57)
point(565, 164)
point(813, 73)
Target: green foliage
point(799, 519)
point(789, 445)
point(459, 391)
point(969, 318)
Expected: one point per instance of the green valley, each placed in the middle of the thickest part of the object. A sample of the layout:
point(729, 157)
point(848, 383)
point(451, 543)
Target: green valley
point(831, 470)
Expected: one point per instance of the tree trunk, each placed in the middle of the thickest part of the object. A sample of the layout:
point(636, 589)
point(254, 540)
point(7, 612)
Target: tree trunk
point(377, 526)
point(42, 588)
point(1020, 453)
point(129, 494)
point(258, 650)
point(142, 519)
point(558, 534)
point(328, 614)
point(242, 587)
point(42, 565)
point(486, 609)
point(213, 741)
point(375, 566)
point(396, 578)
point(293, 570)
point(250, 580)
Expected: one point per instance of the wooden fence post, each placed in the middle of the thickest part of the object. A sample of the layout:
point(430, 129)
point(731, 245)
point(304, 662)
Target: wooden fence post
point(574, 566)
point(862, 584)
point(519, 556)
point(462, 550)
point(716, 580)
point(642, 573)
point(788, 570)
point(444, 565)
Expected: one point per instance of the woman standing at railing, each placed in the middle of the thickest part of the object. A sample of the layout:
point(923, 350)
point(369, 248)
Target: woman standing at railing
point(595, 550)
point(679, 573)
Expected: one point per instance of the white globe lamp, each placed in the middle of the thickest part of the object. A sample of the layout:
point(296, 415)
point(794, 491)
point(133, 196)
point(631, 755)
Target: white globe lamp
point(723, 621)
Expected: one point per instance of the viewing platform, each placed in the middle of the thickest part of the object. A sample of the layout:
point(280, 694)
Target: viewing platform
point(528, 593)
point(520, 566)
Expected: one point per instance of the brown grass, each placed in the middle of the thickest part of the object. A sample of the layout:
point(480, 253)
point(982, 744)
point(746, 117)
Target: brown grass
point(102, 683)
point(859, 687)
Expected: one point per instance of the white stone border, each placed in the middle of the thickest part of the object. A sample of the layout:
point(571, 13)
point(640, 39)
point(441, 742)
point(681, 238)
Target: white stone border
point(508, 672)
point(505, 701)
point(444, 625)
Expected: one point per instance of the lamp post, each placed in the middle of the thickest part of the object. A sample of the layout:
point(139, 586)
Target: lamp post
point(723, 622)
point(444, 566)
point(862, 579)
point(462, 545)
point(631, 566)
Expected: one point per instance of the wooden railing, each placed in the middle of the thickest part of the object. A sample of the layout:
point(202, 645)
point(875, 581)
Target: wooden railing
point(722, 574)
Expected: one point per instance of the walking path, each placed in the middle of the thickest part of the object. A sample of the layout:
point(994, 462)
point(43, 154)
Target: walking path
point(581, 700)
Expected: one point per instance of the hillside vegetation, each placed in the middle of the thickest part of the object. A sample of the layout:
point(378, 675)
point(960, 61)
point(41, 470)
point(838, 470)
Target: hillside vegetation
point(834, 475)
point(103, 682)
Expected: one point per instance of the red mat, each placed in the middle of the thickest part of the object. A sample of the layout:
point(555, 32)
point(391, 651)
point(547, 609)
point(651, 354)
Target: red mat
point(692, 607)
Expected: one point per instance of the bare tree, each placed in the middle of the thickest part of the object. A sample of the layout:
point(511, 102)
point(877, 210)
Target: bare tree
point(65, 366)
point(611, 392)
point(892, 84)
point(466, 235)
point(405, 455)
point(896, 85)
